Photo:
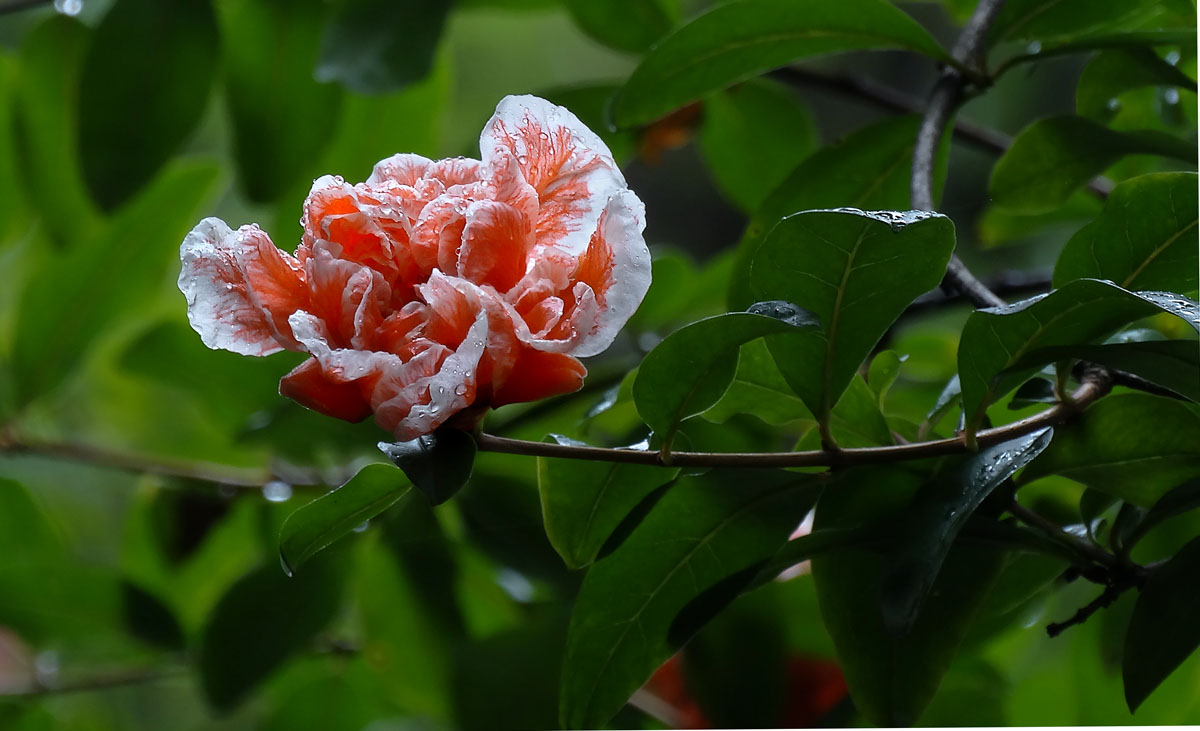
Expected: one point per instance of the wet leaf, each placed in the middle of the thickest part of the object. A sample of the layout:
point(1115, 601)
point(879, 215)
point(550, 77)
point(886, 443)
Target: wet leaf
point(337, 514)
point(1053, 157)
point(1111, 73)
point(438, 464)
point(1145, 238)
point(1131, 445)
point(736, 41)
point(759, 388)
point(1037, 20)
point(584, 502)
point(856, 271)
point(1179, 499)
point(932, 522)
point(1163, 630)
point(1172, 364)
point(695, 551)
point(884, 370)
point(995, 352)
point(158, 58)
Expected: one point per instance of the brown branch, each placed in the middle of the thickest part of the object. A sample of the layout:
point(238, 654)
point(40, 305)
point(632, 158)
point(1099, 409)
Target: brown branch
point(1111, 593)
point(1090, 390)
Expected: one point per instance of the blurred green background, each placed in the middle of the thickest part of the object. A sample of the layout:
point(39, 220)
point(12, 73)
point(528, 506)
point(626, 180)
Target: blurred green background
point(144, 478)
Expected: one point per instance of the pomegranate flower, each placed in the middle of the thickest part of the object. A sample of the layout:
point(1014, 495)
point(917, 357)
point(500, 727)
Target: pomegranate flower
point(437, 289)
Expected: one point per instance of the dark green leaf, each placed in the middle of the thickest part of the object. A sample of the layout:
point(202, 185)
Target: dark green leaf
point(438, 464)
point(144, 85)
point(885, 368)
point(375, 46)
point(583, 502)
point(149, 619)
point(626, 25)
point(66, 306)
point(1037, 20)
point(856, 420)
point(995, 353)
point(1092, 507)
point(335, 515)
point(262, 620)
point(328, 701)
point(698, 547)
point(282, 118)
point(736, 41)
point(856, 271)
point(1102, 38)
point(691, 368)
point(891, 678)
point(1131, 445)
point(1163, 630)
point(932, 523)
point(1036, 390)
point(47, 93)
point(1053, 157)
point(1145, 238)
point(1179, 499)
point(869, 169)
point(24, 528)
point(759, 388)
point(1113, 72)
point(753, 135)
point(1172, 364)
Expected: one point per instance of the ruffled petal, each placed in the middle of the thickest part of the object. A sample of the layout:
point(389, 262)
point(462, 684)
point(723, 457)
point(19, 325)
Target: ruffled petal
point(538, 375)
point(308, 385)
point(240, 288)
point(496, 240)
point(569, 167)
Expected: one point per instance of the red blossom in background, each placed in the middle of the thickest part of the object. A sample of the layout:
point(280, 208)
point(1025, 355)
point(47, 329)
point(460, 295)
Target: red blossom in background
point(437, 289)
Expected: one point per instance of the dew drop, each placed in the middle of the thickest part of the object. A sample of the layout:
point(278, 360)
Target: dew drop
point(277, 491)
point(361, 527)
point(1034, 47)
point(1172, 57)
point(1113, 104)
point(45, 668)
point(1171, 96)
point(68, 7)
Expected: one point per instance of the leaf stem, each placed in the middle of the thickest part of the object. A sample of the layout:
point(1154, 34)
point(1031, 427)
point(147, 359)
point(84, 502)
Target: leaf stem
point(1089, 390)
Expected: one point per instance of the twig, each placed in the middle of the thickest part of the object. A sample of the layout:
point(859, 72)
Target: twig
point(1110, 594)
point(14, 6)
point(1088, 391)
point(112, 679)
point(1084, 549)
point(1005, 283)
point(945, 98)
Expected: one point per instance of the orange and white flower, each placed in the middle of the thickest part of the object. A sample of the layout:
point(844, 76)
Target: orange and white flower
point(437, 289)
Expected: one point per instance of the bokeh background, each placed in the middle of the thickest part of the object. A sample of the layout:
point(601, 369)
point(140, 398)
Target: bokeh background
point(143, 478)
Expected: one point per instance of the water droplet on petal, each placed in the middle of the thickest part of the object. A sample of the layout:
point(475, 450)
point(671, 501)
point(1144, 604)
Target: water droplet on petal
point(277, 491)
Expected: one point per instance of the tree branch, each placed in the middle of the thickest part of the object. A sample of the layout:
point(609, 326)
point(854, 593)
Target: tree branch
point(1091, 389)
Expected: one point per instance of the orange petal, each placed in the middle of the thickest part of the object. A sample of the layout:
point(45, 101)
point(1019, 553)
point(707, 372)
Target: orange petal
point(308, 386)
point(537, 375)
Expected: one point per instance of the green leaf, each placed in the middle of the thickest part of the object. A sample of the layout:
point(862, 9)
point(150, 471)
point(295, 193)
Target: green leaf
point(25, 530)
point(891, 677)
point(626, 25)
point(261, 621)
point(753, 135)
point(47, 130)
point(144, 85)
point(283, 119)
point(1053, 157)
point(933, 521)
point(315, 526)
point(375, 46)
point(856, 420)
point(736, 41)
point(1163, 630)
point(66, 305)
point(1145, 238)
point(869, 169)
point(885, 368)
point(1111, 73)
point(995, 353)
point(693, 553)
point(439, 464)
point(1037, 20)
point(584, 502)
point(1172, 364)
point(1131, 445)
point(1036, 390)
point(856, 271)
point(759, 388)
point(1179, 499)
point(692, 367)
